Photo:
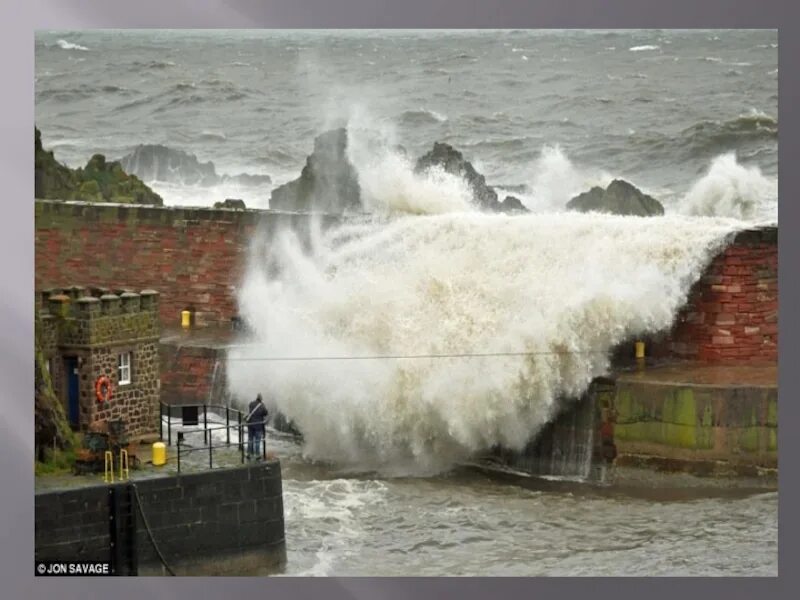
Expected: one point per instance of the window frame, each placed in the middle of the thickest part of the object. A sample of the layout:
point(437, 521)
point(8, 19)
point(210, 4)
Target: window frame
point(121, 367)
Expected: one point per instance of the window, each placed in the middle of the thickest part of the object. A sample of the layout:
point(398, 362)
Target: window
point(124, 371)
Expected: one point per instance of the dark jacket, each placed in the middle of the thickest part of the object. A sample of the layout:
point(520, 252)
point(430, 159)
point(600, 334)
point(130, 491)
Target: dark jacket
point(257, 414)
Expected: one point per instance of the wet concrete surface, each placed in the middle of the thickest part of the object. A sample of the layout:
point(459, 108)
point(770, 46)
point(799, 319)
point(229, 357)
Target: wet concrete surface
point(697, 374)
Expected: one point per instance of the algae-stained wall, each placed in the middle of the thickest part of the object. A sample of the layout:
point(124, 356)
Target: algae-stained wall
point(697, 424)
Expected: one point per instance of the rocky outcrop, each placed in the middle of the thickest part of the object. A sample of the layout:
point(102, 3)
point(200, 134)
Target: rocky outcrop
point(619, 198)
point(98, 181)
point(452, 161)
point(328, 182)
point(154, 162)
point(234, 203)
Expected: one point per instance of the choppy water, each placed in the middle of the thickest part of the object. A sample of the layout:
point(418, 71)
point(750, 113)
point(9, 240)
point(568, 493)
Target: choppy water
point(542, 113)
point(467, 524)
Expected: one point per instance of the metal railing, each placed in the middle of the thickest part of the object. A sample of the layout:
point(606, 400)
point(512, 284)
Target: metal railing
point(231, 414)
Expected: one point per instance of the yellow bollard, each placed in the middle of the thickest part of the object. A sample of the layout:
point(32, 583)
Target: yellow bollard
point(108, 467)
point(639, 349)
point(186, 319)
point(124, 472)
point(159, 454)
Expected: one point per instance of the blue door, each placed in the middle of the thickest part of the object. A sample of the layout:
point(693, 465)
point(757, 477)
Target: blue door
point(73, 405)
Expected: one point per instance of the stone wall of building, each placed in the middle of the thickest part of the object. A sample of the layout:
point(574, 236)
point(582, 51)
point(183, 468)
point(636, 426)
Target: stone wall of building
point(95, 326)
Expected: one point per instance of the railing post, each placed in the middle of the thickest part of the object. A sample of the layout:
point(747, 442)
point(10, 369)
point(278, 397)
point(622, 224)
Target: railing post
point(227, 426)
point(161, 421)
point(179, 459)
point(241, 440)
point(169, 426)
point(210, 453)
point(264, 445)
point(205, 425)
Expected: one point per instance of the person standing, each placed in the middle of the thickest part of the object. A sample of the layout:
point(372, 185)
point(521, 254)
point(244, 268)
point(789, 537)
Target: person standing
point(256, 426)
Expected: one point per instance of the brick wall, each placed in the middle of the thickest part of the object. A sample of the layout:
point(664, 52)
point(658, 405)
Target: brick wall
point(732, 312)
point(190, 374)
point(194, 257)
point(224, 521)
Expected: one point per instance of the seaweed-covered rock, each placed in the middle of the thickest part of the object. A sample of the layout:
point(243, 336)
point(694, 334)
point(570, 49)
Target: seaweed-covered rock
point(104, 181)
point(619, 198)
point(328, 182)
point(452, 161)
point(98, 181)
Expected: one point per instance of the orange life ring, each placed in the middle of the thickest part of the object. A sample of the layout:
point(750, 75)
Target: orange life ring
point(102, 389)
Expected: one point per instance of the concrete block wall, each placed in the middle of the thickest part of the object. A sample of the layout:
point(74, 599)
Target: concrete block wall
point(217, 522)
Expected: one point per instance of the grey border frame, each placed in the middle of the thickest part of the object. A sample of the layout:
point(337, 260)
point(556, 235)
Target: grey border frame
point(17, 25)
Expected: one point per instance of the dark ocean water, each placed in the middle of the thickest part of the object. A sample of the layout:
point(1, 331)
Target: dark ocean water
point(541, 113)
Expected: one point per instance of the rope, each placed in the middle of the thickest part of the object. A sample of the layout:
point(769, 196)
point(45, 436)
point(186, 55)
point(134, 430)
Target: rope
point(149, 531)
point(410, 356)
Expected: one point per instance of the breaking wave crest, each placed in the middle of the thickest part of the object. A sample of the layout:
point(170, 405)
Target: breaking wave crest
point(562, 288)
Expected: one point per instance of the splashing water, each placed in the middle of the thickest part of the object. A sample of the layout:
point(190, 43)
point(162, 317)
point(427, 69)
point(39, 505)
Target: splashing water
point(387, 178)
point(565, 288)
point(730, 189)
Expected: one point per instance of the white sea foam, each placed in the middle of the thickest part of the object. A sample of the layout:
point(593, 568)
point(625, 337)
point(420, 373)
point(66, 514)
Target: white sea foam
point(70, 46)
point(555, 180)
point(729, 189)
point(387, 178)
point(643, 48)
point(564, 287)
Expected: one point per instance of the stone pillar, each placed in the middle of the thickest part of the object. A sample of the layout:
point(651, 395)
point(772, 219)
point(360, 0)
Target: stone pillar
point(88, 307)
point(111, 305)
point(149, 299)
point(76, 291)
point(131, 303)
point(58, 305)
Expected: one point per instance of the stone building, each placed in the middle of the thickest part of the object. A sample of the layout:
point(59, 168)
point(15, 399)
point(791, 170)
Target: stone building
point(90, 333)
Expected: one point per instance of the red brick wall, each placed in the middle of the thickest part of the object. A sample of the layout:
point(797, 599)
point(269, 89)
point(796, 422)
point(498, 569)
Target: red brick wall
point(195, 258)
point(188, 374)
point(732, 312)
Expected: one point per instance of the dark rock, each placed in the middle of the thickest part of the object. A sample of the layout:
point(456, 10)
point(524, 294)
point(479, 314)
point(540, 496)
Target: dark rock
point(52, 180)
point(619, 198)
point(512, 204)
point(99, 181)
point(247, 180)
point(452, 161)
point(230, 203)
point(328, 182)
point(154, 162)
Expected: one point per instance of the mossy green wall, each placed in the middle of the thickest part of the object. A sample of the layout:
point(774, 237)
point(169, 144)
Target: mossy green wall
point(719, 423)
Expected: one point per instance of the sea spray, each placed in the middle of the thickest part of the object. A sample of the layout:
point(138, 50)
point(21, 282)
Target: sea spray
point(730, 189)
point(392, 306)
